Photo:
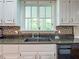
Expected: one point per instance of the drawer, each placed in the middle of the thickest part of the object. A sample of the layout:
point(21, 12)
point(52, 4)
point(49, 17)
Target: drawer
point(46, 47)
point(37, 48)
point(10, 48)
point(27, 48)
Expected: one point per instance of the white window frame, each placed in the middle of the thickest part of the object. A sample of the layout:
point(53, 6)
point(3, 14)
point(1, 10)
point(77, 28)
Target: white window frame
point(23, 17)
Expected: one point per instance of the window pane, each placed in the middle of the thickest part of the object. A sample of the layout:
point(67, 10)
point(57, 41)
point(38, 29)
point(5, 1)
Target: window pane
point(53, 11)
point(48, 24)
point(28, 11)
point(39, 18)
point(42, 24)
point(34, 11)
point(48, 12)
point(28, 24)
point(34, 24)
point(42, 11)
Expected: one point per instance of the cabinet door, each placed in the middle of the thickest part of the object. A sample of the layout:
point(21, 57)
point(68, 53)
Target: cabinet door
point(46, 55)
point(11, 56)
point(27, 48)
point(62, 12)
point(46, 47)
point(47, 51)
point(0, 51)
point(74, 11)
point(10, 11)
point(10, 48)
point(68, 12)
point(1, 5)
point(1, 57)
point(28, 55)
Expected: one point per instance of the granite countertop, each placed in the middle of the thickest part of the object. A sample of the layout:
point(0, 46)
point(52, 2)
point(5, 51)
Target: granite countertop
point(21, 41)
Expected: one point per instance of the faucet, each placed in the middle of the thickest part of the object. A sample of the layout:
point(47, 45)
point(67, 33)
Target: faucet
point(33, 35)
point(36, 36)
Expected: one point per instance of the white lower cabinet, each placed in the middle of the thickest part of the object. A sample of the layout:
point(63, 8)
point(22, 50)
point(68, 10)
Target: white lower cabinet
point(28, 55)
point(0, 49)
point(11, 56)
point(46, 55)
point(10, 48)
point(37, 55)
point(10, 51)
point(40, 51)
point(1, 56)
point(28, 51)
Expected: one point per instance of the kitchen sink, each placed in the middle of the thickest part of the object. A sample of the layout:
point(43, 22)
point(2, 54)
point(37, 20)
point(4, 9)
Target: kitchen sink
point(37, 39)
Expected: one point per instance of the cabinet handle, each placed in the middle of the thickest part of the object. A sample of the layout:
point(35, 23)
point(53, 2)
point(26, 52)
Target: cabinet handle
point(1, 20)
point(9, 1)
point(8, 20)
point(39, 28)
point(4, 58)
point(72, 19)
point(20, 54)
point(13, 20)
point(39, 57)
point(62, 20)
point(35, 56)
point(54, 54)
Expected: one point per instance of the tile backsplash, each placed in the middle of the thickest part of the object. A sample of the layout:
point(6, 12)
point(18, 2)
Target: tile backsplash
point(65, 29)
point(10, 30)
point(66, 32)
point(76, 32)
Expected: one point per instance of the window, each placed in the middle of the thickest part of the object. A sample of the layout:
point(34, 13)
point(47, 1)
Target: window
point(39, 17)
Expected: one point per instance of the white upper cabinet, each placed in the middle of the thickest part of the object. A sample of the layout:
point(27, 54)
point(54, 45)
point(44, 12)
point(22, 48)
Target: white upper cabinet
point(64, 15)
point(10, 13)
point(11, 1)
point(62, 12)
point(68, 12)
point(74, 11)
point(1, 5)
